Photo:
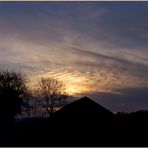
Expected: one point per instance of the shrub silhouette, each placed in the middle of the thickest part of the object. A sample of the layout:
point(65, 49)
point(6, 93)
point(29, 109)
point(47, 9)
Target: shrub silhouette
point(12, 90)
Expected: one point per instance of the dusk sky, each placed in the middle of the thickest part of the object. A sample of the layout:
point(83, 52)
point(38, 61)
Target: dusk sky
point(98, 49)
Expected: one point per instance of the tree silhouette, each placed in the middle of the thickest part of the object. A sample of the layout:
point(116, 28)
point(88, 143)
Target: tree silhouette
point(28, 103)
point(32, 104)
point(52, 92)
point(12, 90)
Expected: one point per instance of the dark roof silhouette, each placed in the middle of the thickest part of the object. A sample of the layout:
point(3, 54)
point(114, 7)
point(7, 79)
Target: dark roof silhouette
point(85, 119)
point(84, 108)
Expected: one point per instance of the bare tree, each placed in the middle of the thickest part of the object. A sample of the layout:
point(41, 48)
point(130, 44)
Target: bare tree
point(33, 103)
point(28, 103)
point(53, 94)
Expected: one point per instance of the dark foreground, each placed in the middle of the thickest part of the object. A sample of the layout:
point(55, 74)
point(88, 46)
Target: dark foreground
point(81, 123)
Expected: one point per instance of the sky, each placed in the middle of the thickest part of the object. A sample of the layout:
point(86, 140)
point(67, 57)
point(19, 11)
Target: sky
point(98, 49)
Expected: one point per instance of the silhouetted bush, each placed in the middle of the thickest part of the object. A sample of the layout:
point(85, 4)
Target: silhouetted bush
point(12, 89)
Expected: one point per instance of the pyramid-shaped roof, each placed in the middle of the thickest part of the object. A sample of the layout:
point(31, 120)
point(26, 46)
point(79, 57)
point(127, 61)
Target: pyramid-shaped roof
point(83, 108)
point(82, 121)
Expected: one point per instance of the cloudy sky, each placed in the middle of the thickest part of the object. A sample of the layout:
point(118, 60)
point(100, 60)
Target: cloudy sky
point(99, 49)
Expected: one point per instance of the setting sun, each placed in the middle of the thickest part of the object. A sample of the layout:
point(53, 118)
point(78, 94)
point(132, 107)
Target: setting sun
point(72, 90)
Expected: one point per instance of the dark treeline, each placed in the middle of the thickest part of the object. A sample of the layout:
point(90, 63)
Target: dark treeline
point(17, 99)
point(81, 123)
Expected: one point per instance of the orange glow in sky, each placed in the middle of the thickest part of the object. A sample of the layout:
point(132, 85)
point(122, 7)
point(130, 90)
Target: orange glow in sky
point(77, 83)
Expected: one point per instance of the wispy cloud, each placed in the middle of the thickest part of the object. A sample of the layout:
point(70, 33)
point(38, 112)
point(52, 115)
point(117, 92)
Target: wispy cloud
point(98, 46)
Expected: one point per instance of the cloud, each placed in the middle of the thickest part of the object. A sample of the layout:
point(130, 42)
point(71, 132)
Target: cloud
point(128, 100)
point(106, 23)
point(97, 43)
